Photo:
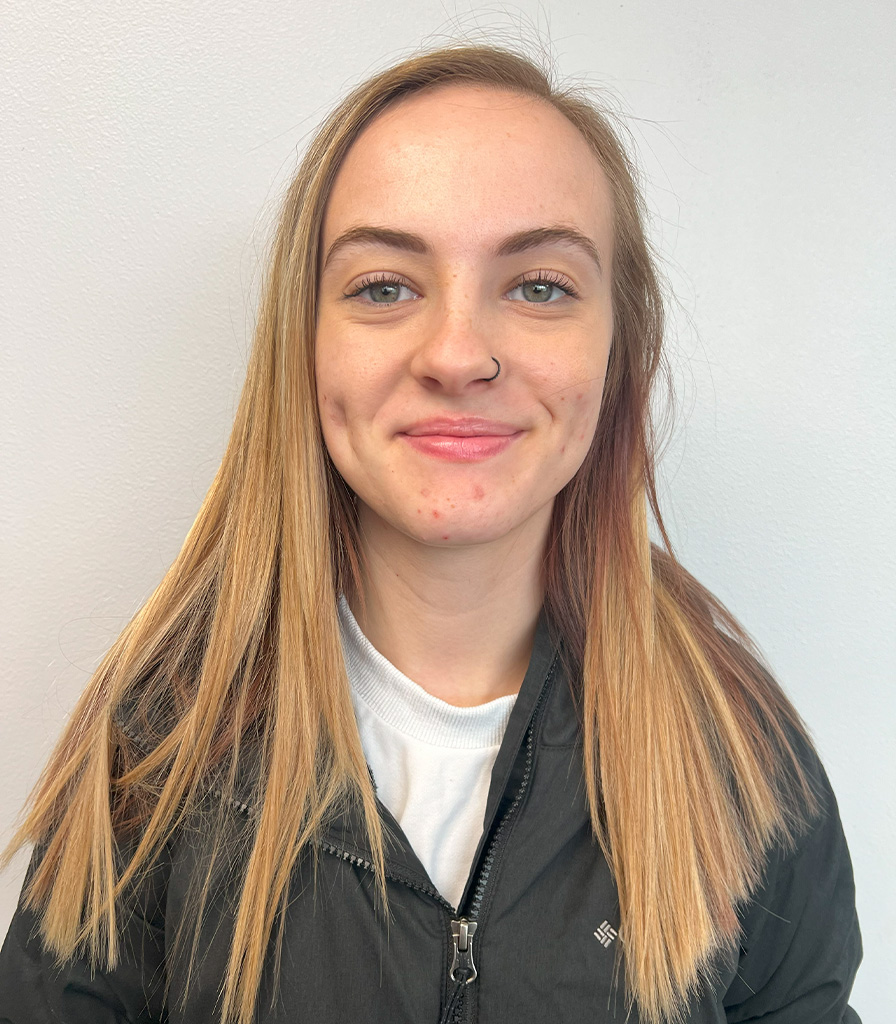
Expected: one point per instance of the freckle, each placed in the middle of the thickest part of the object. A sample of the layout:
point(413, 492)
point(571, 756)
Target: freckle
point(478, 493)
point(435, 514)
point(563, 398)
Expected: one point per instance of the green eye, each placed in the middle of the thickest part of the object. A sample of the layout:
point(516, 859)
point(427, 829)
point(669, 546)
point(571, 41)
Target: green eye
point(382, 291)
point(538, 291)
point(385, 291)
point(541, 290)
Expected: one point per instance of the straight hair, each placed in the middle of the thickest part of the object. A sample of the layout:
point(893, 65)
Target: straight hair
point(238, 649)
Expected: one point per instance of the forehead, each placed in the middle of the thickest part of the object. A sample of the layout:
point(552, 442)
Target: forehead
point(470, 161)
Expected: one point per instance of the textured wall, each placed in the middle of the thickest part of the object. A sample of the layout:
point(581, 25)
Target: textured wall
point(144, 144)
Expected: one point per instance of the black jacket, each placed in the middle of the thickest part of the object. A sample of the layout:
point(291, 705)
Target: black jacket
point(540, 894)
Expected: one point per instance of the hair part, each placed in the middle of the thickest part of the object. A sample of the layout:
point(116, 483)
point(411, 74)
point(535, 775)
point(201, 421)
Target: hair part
point(238, 649)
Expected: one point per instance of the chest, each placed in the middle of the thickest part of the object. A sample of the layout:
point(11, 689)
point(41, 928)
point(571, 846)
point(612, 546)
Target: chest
point(545, 943)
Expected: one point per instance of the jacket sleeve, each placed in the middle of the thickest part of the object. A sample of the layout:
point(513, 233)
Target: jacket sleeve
point(36, 989)
point(801, 945)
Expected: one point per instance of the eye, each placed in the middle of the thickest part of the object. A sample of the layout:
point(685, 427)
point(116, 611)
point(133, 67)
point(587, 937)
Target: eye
point(382, 290)
point(542, 287)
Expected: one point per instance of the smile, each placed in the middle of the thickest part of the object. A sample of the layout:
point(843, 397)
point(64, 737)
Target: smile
point(467, 439)
point(460, 448)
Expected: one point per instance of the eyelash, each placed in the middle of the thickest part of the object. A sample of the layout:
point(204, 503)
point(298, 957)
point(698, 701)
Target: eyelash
point(548, 277)
point(535, 277)
point(372, 279)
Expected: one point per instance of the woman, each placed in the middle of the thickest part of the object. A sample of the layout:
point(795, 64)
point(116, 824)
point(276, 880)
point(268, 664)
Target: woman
point(419, 726)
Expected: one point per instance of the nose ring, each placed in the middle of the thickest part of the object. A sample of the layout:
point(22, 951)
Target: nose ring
point(495, 361)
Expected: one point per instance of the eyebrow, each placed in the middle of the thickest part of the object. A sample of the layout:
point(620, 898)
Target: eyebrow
point(521, 241)
point(364, 235)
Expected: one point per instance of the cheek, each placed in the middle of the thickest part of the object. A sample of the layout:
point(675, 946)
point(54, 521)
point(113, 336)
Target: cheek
point(583, 416)
point(341, 375)
point(330, 397)
point(355, 391)
point(333, 393)
point(576, 409)
point(576, 391)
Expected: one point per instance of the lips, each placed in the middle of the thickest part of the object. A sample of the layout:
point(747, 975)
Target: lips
point(465, 427)
point(468, 439)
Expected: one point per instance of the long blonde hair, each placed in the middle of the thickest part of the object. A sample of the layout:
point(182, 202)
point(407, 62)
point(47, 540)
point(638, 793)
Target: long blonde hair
point(239, 645)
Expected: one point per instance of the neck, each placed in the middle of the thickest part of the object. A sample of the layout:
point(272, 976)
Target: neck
point(459, 621)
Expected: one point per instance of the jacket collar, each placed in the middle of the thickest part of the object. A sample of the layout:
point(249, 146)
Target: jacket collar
point(345, 831)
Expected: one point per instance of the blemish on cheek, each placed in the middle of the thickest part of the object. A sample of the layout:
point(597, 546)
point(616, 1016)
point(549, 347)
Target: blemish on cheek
point(562, 450)
point(424, 493)
point(419, 511)
point(478, 492)
point(445, 536)
point(435, 514)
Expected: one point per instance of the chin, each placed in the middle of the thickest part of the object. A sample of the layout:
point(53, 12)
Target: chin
point(446, 533)
point(438, 524)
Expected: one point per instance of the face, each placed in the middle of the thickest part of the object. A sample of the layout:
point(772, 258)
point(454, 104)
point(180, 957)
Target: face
point(467, 228)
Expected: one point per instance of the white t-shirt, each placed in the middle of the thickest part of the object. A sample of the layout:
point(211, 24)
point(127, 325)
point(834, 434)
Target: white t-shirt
point(431, 761)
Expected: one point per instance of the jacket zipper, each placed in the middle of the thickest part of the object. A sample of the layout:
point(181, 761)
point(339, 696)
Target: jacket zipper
point(360, 862)
point(463, 967)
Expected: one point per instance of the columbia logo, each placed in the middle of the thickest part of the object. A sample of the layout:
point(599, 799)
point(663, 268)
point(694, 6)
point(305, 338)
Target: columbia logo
point(605, 934)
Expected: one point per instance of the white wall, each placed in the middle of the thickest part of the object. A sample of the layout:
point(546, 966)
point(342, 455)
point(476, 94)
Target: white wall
point(142, 148)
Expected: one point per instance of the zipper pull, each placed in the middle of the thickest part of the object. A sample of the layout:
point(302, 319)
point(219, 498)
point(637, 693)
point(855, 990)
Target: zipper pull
point(462, 967)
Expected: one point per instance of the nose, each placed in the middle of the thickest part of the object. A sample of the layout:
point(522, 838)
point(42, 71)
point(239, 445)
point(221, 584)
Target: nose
point(455, 352)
